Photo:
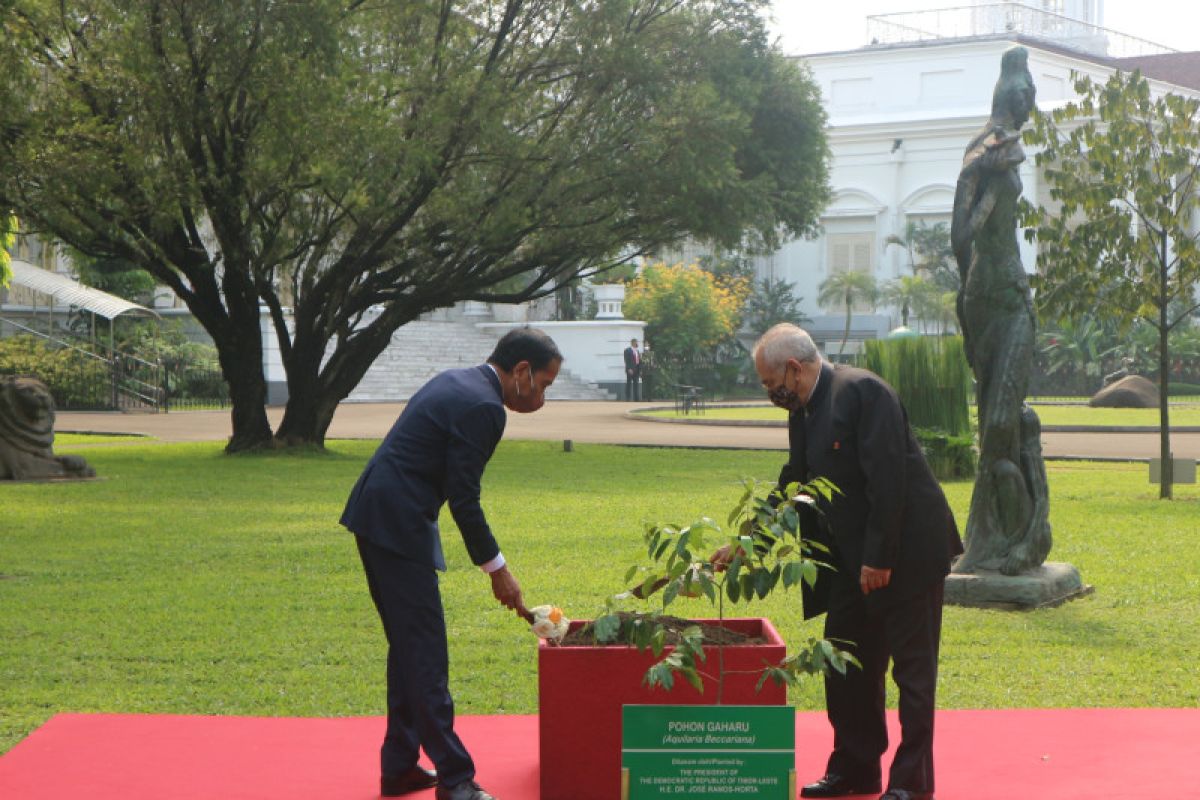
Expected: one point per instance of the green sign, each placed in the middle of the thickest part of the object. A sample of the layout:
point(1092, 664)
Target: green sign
point(713, 751)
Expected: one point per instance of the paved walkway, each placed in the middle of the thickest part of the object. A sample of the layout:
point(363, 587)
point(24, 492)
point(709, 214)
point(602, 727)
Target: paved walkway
point(581, 421)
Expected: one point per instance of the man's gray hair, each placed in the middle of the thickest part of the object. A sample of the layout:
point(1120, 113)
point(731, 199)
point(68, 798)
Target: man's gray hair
point(784, 341)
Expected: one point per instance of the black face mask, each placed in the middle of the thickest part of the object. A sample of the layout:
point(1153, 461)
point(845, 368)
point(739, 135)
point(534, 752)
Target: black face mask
point(783, 397)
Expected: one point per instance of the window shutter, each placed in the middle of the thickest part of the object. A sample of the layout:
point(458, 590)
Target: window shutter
point(862, 254)
point(839, 254)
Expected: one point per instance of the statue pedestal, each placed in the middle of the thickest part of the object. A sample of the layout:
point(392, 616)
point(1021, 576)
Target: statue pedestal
point(1048, 585)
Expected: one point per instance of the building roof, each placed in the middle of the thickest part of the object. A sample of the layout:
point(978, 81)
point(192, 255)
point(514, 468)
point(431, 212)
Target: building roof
point(70, 292)
point(1181, 69)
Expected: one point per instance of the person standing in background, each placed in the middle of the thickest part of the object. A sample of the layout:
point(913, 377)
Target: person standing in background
point(633, 372)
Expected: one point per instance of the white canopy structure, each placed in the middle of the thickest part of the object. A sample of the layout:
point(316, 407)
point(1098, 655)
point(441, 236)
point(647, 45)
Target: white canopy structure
point(68, 292)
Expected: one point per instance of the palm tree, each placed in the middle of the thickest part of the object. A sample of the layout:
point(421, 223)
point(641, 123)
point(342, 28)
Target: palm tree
point(943, 309)
point(1078, 348)
point(908, 293)
point(929, 253)
point(849, 288)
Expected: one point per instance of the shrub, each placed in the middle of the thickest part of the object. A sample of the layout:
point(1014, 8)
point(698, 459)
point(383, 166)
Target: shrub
point(949, 457)
point(931, 377)
point(74, 379)
point(1180, 389)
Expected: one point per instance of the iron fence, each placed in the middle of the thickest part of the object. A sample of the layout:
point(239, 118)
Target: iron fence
point(195, 388)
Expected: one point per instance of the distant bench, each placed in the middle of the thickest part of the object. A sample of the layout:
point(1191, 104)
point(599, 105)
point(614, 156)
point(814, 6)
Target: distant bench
point(688, 398)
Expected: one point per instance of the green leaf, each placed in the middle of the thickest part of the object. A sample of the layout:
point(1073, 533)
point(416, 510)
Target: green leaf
point(762, 583)
point(693, 677)
point(808, 571)
point(607, 628)
point(672, 591)
point(748, 584)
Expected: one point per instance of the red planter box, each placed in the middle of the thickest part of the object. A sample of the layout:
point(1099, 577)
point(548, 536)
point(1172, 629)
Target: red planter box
point(581, 691)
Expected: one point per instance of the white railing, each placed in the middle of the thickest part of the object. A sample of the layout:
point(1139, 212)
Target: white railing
point(1006, 18)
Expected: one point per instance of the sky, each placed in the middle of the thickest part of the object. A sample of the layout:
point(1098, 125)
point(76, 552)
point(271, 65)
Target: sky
point(806, 27)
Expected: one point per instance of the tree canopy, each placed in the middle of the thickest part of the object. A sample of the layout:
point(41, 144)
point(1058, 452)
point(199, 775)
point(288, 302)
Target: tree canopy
point(1120, 238)
point(771, 301)
point(360, 164)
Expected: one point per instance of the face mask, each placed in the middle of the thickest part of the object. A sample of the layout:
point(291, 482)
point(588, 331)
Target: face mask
point(783, 397)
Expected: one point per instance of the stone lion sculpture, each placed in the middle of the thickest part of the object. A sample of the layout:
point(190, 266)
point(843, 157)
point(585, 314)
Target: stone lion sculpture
point(27, 434)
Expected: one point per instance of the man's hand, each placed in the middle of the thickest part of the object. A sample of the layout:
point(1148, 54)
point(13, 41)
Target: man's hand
point(871, 578)
point(506, 590)
point(723, 556)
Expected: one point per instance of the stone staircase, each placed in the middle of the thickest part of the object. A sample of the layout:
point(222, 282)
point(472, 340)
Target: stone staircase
point(423, 348)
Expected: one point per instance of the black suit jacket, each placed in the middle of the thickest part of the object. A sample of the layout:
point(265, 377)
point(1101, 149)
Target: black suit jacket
point(633, 363)
point(890, 512)
point(434, 454)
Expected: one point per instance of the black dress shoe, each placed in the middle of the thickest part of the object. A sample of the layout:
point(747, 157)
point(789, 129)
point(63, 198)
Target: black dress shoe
point(467, 790)
point(414, 780)
point(904, 794)
point(834, 785)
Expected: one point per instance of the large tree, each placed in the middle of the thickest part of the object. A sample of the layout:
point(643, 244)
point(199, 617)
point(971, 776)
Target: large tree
point(364, 163)
point(1121, 238)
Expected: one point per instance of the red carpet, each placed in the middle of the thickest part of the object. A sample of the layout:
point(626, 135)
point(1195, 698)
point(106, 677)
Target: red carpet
point(981, 755)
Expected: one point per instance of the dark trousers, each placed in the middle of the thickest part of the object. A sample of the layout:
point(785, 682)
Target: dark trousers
point(633, 387)
point(908, 633)
point(420, 709)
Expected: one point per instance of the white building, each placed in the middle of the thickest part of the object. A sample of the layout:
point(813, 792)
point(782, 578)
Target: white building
point(901, 111)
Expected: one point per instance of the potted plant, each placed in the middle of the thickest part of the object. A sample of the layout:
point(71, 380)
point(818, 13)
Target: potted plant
point(630, 658)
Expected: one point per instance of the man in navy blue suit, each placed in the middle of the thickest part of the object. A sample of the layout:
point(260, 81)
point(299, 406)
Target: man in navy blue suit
point(435, 454)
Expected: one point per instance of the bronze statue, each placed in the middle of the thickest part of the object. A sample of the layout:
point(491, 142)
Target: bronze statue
point(1008, 525)
point(27, 434)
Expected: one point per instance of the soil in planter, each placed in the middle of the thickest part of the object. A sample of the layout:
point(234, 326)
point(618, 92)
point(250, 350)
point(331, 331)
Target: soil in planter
point(712, 634)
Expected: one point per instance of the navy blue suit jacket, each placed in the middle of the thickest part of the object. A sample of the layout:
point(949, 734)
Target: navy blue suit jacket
point(434, 454)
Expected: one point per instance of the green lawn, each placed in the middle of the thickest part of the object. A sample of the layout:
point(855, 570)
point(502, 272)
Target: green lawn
point(186, 581)
point(1181, 414)
point(62, 440)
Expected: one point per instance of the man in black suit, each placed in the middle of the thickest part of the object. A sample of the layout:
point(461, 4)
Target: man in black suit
point(435, 454)
point(633, 371)
point(891, 535)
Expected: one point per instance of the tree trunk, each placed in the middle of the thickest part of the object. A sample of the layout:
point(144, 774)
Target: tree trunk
point(309, 412)
point(1164, 423)
point(248, 394)
point(238, 339)
point(1167, 474)
point(315, 392)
